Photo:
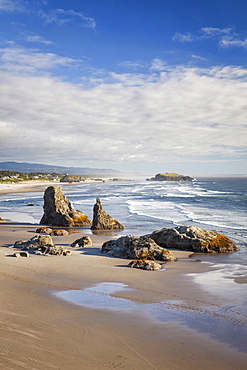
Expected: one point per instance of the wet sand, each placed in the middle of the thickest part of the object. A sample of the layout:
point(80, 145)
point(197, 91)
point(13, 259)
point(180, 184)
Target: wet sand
point(41, 331)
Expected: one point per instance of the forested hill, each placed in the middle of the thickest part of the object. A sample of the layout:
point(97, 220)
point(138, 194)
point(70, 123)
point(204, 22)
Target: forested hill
point(34, 167)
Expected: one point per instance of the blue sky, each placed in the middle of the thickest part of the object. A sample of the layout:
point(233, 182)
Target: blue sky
point(135, 85)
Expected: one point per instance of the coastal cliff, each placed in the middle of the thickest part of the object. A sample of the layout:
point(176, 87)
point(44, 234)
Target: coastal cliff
point(170, 177)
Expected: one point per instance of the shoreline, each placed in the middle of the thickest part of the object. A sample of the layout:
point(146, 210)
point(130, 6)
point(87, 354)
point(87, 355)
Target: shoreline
point(25, 187)
point(35, 186)
point(42, 331)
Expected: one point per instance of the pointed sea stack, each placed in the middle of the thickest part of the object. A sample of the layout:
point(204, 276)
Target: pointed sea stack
point(103, 221)
point(58, 210)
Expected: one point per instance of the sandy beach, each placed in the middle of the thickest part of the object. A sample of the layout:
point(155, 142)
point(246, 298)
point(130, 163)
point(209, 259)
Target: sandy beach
point(41, 331)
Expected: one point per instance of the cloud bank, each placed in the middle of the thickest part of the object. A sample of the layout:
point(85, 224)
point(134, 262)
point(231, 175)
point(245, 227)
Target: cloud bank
point(171, 114)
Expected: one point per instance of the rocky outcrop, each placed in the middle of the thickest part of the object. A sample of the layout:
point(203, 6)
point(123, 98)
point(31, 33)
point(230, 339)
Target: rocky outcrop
point(136, 247)
point(170, 177)
point(72, 178)
point(103, 221)
point(84, 241)
point(41, 244)
point(58, 210)
point(193, 239)
point(145, 265)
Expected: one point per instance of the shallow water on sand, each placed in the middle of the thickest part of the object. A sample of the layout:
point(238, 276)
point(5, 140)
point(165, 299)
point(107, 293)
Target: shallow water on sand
point(223, 323)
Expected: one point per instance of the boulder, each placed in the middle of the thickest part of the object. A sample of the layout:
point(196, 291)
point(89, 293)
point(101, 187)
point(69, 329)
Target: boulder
point(58, 210)
point(145, 265)
point(101, 220)
point(59, 232)
point(2, 220)
point(44, 230)
point(135, 247)
point(35, 242)
point(192, 238)
point(84, 241)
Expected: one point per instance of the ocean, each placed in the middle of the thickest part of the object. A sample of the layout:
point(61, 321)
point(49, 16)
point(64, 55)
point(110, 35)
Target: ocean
point(218, 204)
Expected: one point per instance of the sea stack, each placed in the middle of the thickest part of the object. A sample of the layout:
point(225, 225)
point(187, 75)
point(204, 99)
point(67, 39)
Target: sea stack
point(58, 210)
point(103, 221)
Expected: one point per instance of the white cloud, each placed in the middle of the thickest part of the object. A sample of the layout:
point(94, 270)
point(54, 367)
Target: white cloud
point(194, 56)
point(180, 114)
point(158, 65)
point(11, 6)
point(61, 17)
point(132, 64)
point(18, 59)
point(229, 42)
point(213, 31)
point(38, 39)
point(226, 37)
point(187, 37)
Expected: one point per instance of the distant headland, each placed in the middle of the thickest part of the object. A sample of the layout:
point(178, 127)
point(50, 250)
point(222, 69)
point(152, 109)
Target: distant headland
point(170, 176)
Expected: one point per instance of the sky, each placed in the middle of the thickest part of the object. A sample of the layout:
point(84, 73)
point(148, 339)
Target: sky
point(135, 85)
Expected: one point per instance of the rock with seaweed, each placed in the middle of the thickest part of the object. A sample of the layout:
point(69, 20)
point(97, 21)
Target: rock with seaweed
point(58, 210)
point(103, 221)
point(192, 238)
point(135, 247)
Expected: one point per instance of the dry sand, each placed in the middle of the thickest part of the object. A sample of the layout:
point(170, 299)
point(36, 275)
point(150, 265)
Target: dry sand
point(41, 331)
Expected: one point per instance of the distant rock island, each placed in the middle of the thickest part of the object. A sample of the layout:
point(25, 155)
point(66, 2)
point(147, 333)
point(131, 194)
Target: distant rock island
point(170, 176)
point(72, 178)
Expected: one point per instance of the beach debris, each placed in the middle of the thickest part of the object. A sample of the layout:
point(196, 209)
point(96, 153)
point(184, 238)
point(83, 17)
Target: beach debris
point(101, 220)
point(192, 238)
point(84, 241)
point(2, 220)
point(58, 210)
point(21, 254)
point(137, 247)
point(145, 265)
